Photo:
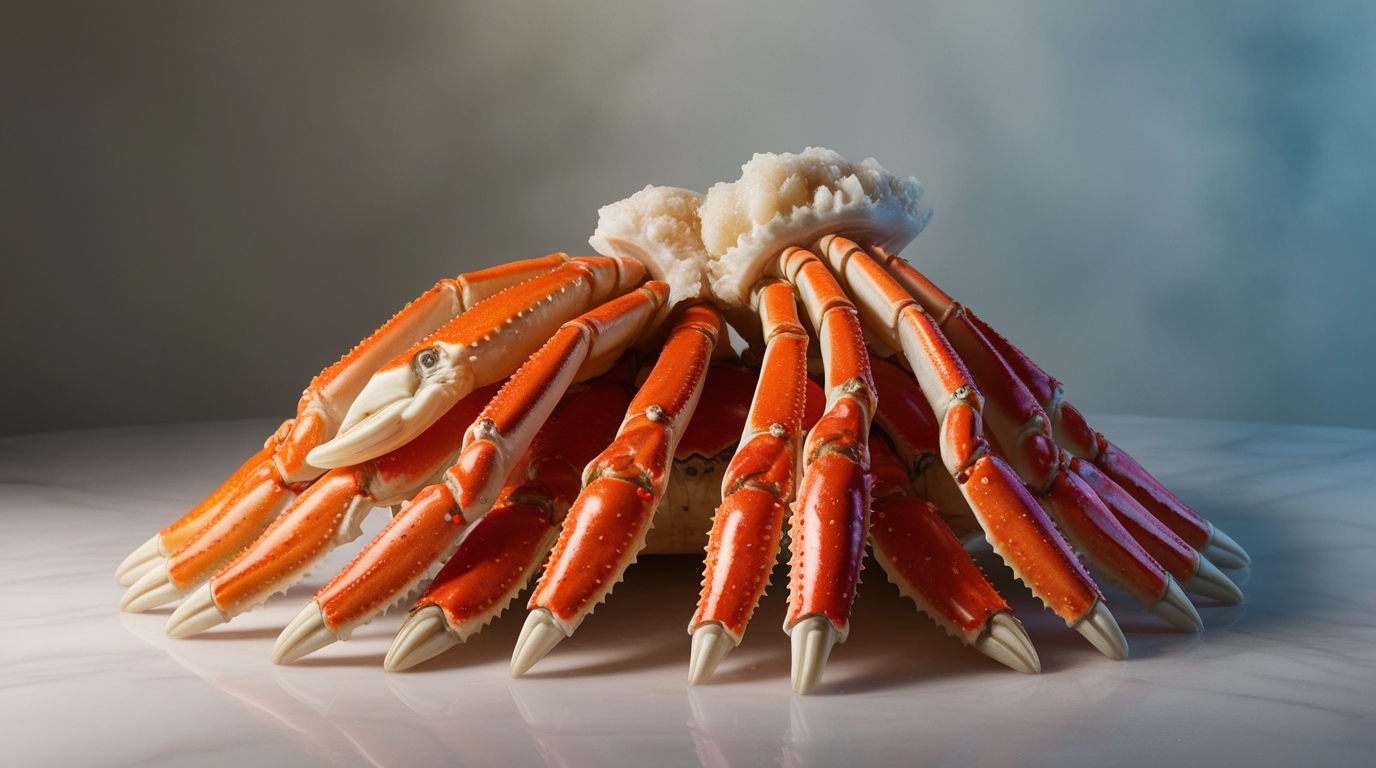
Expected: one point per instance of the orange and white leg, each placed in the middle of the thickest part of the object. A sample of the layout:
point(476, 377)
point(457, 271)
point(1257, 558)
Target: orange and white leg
point(1073, 433)
point(424, 535)
point(1085, 513)
point(927, 563)
point(244, 505)
point(830, 521)
point(606, 526)
point(481, 346)
point(1015, 526)
point(327, 514)
point(503, 549)
point(756, 488)
point(1073, 497)
point(907, 419)
point(1023, 437)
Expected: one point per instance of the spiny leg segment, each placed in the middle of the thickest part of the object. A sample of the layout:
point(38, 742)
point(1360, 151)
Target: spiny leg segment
point(282, 462)
point(606, 526)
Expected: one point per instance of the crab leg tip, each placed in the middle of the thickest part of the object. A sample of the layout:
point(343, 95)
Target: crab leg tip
point(140, 561)
point(711, 644)
point(813, 639)
point(1175, 609)
point(424, 636)
point(1006, 642)
point(1101, 629)
point(1225, 552)
point(195, 615)
point(1210, 582)
point(538, 637)
point(306, 634)
point(153, 590)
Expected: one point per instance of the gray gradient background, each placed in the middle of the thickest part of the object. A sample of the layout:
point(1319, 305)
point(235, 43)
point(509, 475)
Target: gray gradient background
point(1173, 209)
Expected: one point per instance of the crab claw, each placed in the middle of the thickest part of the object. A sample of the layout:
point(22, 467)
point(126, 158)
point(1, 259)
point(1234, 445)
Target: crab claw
point(398, 403)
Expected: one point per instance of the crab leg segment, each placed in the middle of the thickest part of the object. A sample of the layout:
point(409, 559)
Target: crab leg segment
point(398, 559)
point(912, 428)
point(481, 346)
point(505, 430)
point(154, 552)
point(502, 550)
point(830, 518)
point(325, 401)
point(1015, 526)
point(927, 562)
point(1070, 429)
point(326, 515)
point(1186, 565)
point(757, 486)
point(607, 525)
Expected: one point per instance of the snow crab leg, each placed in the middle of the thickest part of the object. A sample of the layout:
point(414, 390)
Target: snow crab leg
point(606, 526)
point(484, 437)
point(282, 461)
point(502, 550)
point(1123, 484)
point(408, 394)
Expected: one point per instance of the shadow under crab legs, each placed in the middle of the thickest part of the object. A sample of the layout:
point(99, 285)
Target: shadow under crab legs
point(281, 467)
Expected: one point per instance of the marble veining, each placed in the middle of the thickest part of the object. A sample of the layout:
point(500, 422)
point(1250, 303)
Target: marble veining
point(1287, 677)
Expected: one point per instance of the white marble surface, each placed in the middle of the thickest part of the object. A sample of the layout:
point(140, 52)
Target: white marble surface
point(1287, 678)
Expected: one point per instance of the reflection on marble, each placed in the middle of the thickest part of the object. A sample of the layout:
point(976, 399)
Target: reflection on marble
point(1287, 677)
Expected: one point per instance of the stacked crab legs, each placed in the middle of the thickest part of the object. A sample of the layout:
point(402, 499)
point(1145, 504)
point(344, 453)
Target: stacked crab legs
point(492, 470)
point(265, 484)
point(404, 399)
point(1094, 514)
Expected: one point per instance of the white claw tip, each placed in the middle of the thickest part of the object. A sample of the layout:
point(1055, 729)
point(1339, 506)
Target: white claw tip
point(153, 590)
point(140, 562)
point(813, 639)
point(1210, 582)
point(711, 643)
point(538, 637)
point(1175, 608)
point(195, 615)
point(1006, 641)
point(1225, 552)
point(424, 636)
point(1100, 628)
point(306, 634)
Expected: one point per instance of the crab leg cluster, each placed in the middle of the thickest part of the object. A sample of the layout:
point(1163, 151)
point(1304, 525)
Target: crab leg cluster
point(498, 415)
